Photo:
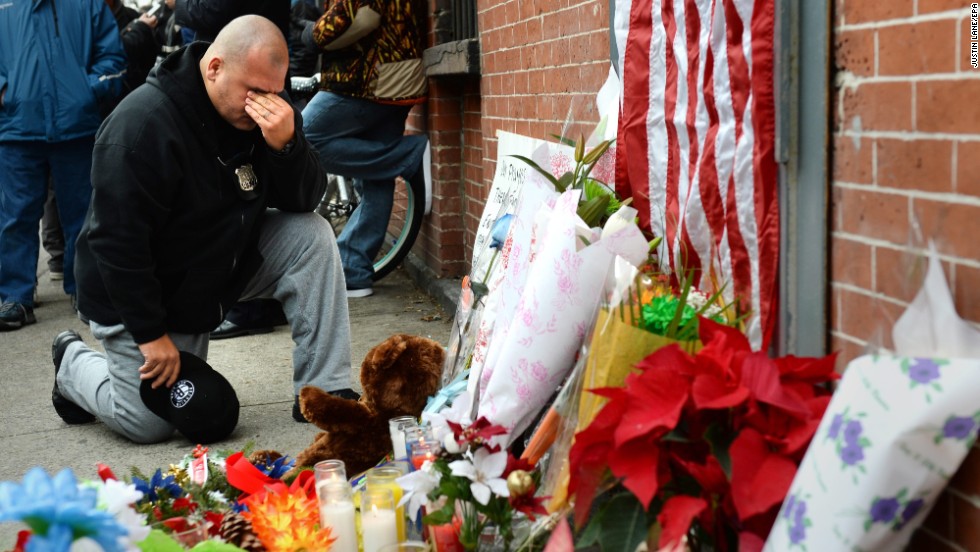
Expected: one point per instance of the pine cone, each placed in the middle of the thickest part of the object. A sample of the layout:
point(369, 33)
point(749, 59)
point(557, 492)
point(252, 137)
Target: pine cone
point(238, 531)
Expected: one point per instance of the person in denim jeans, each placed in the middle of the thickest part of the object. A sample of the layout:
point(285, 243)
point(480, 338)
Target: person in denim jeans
point(58, 62)
point(372, 75)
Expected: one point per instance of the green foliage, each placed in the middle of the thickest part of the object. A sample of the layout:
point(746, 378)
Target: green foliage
point(598, 200)
point(618, 524)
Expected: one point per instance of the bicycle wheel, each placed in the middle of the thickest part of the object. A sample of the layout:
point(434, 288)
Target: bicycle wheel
point(340, 200)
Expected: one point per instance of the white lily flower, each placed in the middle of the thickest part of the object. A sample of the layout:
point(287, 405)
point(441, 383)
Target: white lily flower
point(458, 413)
point(416, 486)
point(484, 471)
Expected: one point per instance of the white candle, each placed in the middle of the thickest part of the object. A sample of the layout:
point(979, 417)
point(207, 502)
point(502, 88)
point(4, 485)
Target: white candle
point(398, 444)
point(379, 528)
point(339, 517)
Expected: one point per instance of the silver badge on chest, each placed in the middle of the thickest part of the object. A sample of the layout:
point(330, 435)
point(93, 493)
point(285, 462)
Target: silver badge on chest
point(246, 177)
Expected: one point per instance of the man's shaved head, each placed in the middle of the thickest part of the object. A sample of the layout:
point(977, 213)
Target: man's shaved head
point(249, 54)
point(246, 34)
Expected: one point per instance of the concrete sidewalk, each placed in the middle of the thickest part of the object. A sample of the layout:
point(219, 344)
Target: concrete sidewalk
point(259, 367)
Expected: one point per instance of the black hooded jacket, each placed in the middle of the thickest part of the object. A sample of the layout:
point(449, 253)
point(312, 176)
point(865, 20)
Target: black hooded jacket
point(170, 237)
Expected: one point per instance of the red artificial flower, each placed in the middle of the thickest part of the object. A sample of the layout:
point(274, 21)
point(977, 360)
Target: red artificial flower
point(23, 536)
point(676, 516)
point(760, 477)
point(479, 433)
point(681, 415)
point(528, 504)
point(105, 472)
point(655, 396)
point(514, 463)
point(215, 518)
point(177, 524)
point(184, 505)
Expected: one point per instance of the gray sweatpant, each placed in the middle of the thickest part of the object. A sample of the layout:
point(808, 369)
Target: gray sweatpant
point(302, 270)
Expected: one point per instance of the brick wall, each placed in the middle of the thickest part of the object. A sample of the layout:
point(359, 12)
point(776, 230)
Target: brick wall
point(539, 60)
point(906, 149)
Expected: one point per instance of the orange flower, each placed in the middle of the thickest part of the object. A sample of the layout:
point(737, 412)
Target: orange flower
point(287, 520)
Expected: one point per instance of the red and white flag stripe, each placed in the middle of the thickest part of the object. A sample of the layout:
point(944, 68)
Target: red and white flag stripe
point(695, 141)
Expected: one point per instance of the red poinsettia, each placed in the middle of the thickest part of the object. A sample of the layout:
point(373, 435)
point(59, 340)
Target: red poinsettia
point(732, 420)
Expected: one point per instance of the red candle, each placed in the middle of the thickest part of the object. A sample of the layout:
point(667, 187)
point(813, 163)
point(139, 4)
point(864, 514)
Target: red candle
point(419, 459)
point(445, 538)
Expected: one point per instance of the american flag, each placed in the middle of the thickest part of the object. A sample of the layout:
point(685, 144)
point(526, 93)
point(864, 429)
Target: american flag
point(696, 141)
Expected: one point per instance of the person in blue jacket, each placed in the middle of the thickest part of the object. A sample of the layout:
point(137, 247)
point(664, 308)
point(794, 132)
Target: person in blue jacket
point(58, 62)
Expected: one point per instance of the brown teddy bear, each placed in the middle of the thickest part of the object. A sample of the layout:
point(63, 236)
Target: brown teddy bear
point(397, 376)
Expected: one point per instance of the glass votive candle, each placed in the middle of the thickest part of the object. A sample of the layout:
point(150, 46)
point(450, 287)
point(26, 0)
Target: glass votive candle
point(379, 524)
point(403, 466)
point(384, 477)
point(396, 428)
point(422, 451)
point(329, 471)
point(337, 512)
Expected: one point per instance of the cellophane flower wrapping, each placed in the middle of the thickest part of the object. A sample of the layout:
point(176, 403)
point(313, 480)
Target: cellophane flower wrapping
point(896, 430)
point(533, 353)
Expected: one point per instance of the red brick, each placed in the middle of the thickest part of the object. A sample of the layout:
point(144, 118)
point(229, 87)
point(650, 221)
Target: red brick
point(852, 162)
point(967, 478)
point(846, 351)
point(924, 542)
point(940, 519)
point(964, 63)
point(865, 317)
point(854, 51)
point(863, 11)
point(914, 49)
point(948, 106)
point(968, 168)
point(932, 6)
point(850, 262)
point(873, 214)
point(924, 165)
point(880, 105)
point(964, 289)
point(966, 523)
point(898, 273)
point(955, 226)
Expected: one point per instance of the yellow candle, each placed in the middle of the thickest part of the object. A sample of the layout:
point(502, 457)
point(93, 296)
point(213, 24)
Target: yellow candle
point(383, 477)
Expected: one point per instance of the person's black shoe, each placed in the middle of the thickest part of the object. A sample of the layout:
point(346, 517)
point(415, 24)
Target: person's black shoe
point(14, 316)
point(229, 329)
point(346, 393)
point(70, 412)
point(297, 413)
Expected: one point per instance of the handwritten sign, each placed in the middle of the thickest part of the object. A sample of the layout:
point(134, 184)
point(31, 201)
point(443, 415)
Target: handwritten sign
point(508, 179)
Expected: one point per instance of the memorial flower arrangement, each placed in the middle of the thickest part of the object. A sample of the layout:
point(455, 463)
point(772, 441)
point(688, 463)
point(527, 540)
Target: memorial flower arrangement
point(206, 502)
point(471, 485)
point(700, 446)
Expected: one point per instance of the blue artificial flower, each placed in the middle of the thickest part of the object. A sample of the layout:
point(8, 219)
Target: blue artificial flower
point(924, 370)
point(788, 508)
point(797, 533)
point(852, 454)
point(884, 509)
point(835, 426)
point(157, 482)
point(911, 508)
point(276, 469)
point(498, 233)
point(59, 512)
point(852, 431)
point(957, 427)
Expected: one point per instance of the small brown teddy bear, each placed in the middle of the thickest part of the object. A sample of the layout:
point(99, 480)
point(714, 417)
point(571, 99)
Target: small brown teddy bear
point(397, 376)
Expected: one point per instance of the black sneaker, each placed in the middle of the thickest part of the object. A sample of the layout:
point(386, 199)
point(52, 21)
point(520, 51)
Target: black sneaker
point(70, 412)
point(14, 316)
point(346, 393)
